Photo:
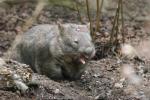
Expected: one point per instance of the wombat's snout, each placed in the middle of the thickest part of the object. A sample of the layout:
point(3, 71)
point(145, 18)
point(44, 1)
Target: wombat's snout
point(90, 51)
point(87, 52)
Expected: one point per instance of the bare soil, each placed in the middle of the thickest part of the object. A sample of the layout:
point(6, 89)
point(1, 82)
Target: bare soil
point(103, 78)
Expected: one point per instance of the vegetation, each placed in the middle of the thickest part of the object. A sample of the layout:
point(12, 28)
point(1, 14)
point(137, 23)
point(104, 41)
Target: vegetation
point(120, 46)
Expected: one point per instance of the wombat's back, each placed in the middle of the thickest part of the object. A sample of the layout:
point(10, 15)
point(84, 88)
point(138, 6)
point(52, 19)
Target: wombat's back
point(40, 33)
point(33, 44)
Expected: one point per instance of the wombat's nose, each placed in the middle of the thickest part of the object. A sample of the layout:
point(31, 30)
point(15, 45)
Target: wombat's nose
point(90, 51)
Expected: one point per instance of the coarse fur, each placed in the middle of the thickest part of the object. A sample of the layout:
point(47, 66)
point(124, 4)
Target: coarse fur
point(54, 50)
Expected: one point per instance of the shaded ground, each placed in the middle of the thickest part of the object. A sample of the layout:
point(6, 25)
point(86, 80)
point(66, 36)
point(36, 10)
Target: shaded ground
point(102, 80)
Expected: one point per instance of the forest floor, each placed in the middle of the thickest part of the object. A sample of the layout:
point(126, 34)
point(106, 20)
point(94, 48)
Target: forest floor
point(103, 78)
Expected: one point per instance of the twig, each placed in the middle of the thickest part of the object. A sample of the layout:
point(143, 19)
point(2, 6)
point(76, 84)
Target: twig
point(99, 8)
point(97, 17)
point(88, 13)
point(122, 19)
point(36, 13)
point(113, 28)
point(116, 24)
point(79, 14)
point(117, 27)
point(102, 2)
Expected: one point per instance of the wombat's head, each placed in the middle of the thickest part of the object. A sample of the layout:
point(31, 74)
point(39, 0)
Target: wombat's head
point(77, 41)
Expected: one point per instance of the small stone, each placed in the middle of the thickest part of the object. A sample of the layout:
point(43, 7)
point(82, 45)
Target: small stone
point(106, 34)
point(2, 62)
point(118, 85)
point(57, 91)
point(128, 51)
point(96, 75)
point(122, 80)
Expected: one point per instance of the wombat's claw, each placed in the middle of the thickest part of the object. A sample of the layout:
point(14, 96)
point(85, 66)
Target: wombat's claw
point(21, 86)
point(19, 83)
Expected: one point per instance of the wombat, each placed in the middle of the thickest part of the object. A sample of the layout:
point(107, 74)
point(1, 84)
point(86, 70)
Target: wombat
point(58, 51)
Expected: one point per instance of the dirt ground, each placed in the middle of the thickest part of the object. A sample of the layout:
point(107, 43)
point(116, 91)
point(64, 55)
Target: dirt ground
point(103, 79)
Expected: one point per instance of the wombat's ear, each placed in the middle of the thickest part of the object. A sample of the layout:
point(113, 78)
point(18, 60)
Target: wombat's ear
point(60, 27)
point(88, 25)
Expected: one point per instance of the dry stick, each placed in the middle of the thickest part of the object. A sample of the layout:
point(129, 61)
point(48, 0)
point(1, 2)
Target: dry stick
point(120, 12)
point(113, 28)
point(122, 22)
point(36, 13)
point(117, 23)
point(88, 13)
point(117, 28)
point(79, 14)
point(114, 34)
point(97, 17)
point(99, 8)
